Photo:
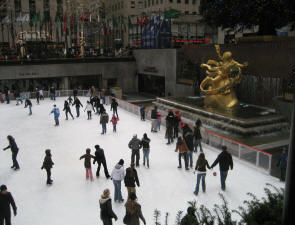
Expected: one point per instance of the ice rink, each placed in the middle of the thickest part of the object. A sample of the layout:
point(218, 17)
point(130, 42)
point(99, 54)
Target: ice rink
point(73, 200)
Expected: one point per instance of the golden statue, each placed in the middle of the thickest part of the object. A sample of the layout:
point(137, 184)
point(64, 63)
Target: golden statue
point(220, 80)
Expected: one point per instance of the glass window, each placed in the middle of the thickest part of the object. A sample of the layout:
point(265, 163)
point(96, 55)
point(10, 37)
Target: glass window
point(194, 2)
point(178, 1)
point(32, 8)
point(153, 2)
point(171, 1)
point(17, 6)
point(186, 1)
point(132, 4)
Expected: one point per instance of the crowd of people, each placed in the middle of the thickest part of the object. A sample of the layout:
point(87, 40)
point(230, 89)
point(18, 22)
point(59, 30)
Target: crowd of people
point(188, 140)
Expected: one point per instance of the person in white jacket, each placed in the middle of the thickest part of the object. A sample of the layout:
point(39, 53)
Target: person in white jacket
point(89, 108)
point(117, 176)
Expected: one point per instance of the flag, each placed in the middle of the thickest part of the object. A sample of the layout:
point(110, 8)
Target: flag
point(115, 23)
point(65, 22)
point(129, 23)
point(139, 21)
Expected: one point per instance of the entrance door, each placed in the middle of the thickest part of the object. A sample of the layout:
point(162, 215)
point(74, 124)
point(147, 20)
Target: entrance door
point(154, 85)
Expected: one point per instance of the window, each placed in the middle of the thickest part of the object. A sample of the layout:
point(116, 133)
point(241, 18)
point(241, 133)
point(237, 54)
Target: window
point(157, 2)
point(161, 1)
point(179, 1)
point(194, 2)
point(186, 12)
point(140, 4)
point(59, 8)
point(32, 8)
point(3, 9)
point(144, 4)
point(186, 2)
point(149, 3)
point(122, 5)
point(171, 1)
point(17, 6)
point(194, 13)
point(153, 2)
point(132, 4)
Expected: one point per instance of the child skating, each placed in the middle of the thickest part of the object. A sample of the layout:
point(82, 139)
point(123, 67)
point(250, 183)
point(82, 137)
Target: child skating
point(87, 163)
point(114, 121)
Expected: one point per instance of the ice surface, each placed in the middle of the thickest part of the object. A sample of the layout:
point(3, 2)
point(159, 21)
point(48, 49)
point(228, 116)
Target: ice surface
point(74, 200)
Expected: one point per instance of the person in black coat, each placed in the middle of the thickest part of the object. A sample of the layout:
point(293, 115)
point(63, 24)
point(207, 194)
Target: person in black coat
point(47, 165)
point(29, 103)
point(225, 161)
point(106, 211)
point(187, 135)
point(176, 125)
point(169, 126)
point(130, 179)
point(6, 200)
point(197, 136)
point(77, 103)
point(75, 93)
point(14, 149)
point(100, 159)
point(142, 112)
point(114, 106)
point(37, 95)
point(67, 108)
point(154, 117)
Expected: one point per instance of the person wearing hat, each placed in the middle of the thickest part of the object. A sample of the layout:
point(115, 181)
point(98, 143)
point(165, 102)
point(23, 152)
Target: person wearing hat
point(100, 159)
point(87, 163)
point(225, 161)
point(117, 176)
point(133, 211)
point(56, 114)
point(135, 144)
point(106, 211)
point(6, 200)
point(130, 179)
point(47, 165)
point(14, 150)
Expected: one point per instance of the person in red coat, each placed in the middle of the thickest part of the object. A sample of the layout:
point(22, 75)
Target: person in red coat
point(114, 121)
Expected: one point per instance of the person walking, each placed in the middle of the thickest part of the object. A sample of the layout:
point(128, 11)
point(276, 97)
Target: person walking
point(225, 162)
point(114, 121)
point(77, 103)
point(130, 179)
point(145, 141)
point(117, 176)
point(201, 165)
point(47, 165)
point(197, 136)
point(154, 117)
point(282, 163)
point(87, 163)
point(14, 150)
point(106, 211)
point(169, 127)
point(182, 148)
point(187, 134)
point(28, 103)
point(135, 145)
point(89, 108)
point(56, 114)
point(104, 119)
point(114, 107)
point(142, 112)
point(133, 211)
point(6, 200)
point(67, 108)
point(100, 159)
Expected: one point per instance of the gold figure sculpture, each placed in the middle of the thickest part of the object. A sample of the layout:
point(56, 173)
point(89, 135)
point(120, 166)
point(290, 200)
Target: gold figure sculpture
point(221, 77)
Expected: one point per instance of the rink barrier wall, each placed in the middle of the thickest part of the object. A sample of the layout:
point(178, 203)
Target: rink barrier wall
point(249, 154)
point(254, 156)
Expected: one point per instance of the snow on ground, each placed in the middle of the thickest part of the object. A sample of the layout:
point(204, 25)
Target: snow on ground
point(74, 200)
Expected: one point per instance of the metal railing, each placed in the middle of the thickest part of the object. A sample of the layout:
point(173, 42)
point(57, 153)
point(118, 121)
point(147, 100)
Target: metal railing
point(246, 153)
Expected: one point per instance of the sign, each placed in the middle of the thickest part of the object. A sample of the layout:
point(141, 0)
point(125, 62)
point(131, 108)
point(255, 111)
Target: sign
point(28, 74)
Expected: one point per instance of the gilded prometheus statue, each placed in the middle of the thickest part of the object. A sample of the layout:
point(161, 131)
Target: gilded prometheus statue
point(221, 77)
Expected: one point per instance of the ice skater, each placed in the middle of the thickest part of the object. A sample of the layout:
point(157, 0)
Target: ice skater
point(47, 165)
point(117, 176)
point(77, 103)
point(41, 94)
point(130, 179)
point(67, 108)
point(6, 200)
point(100, 159)
point(114, 107)
point(169, 127)
point(37, 95)
point(70, 99)
point(28, 103)
point(197, 136)
point(87, 163)
point(14, 150)
point(104, 119)
point(225, 162)
point(56, 113)
point(135, 145)
point(106, 211)
point(114, 121)
point(89, 108)
point(145, 141)
point(182, 148)
point(142, 112)
point(201, 165)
